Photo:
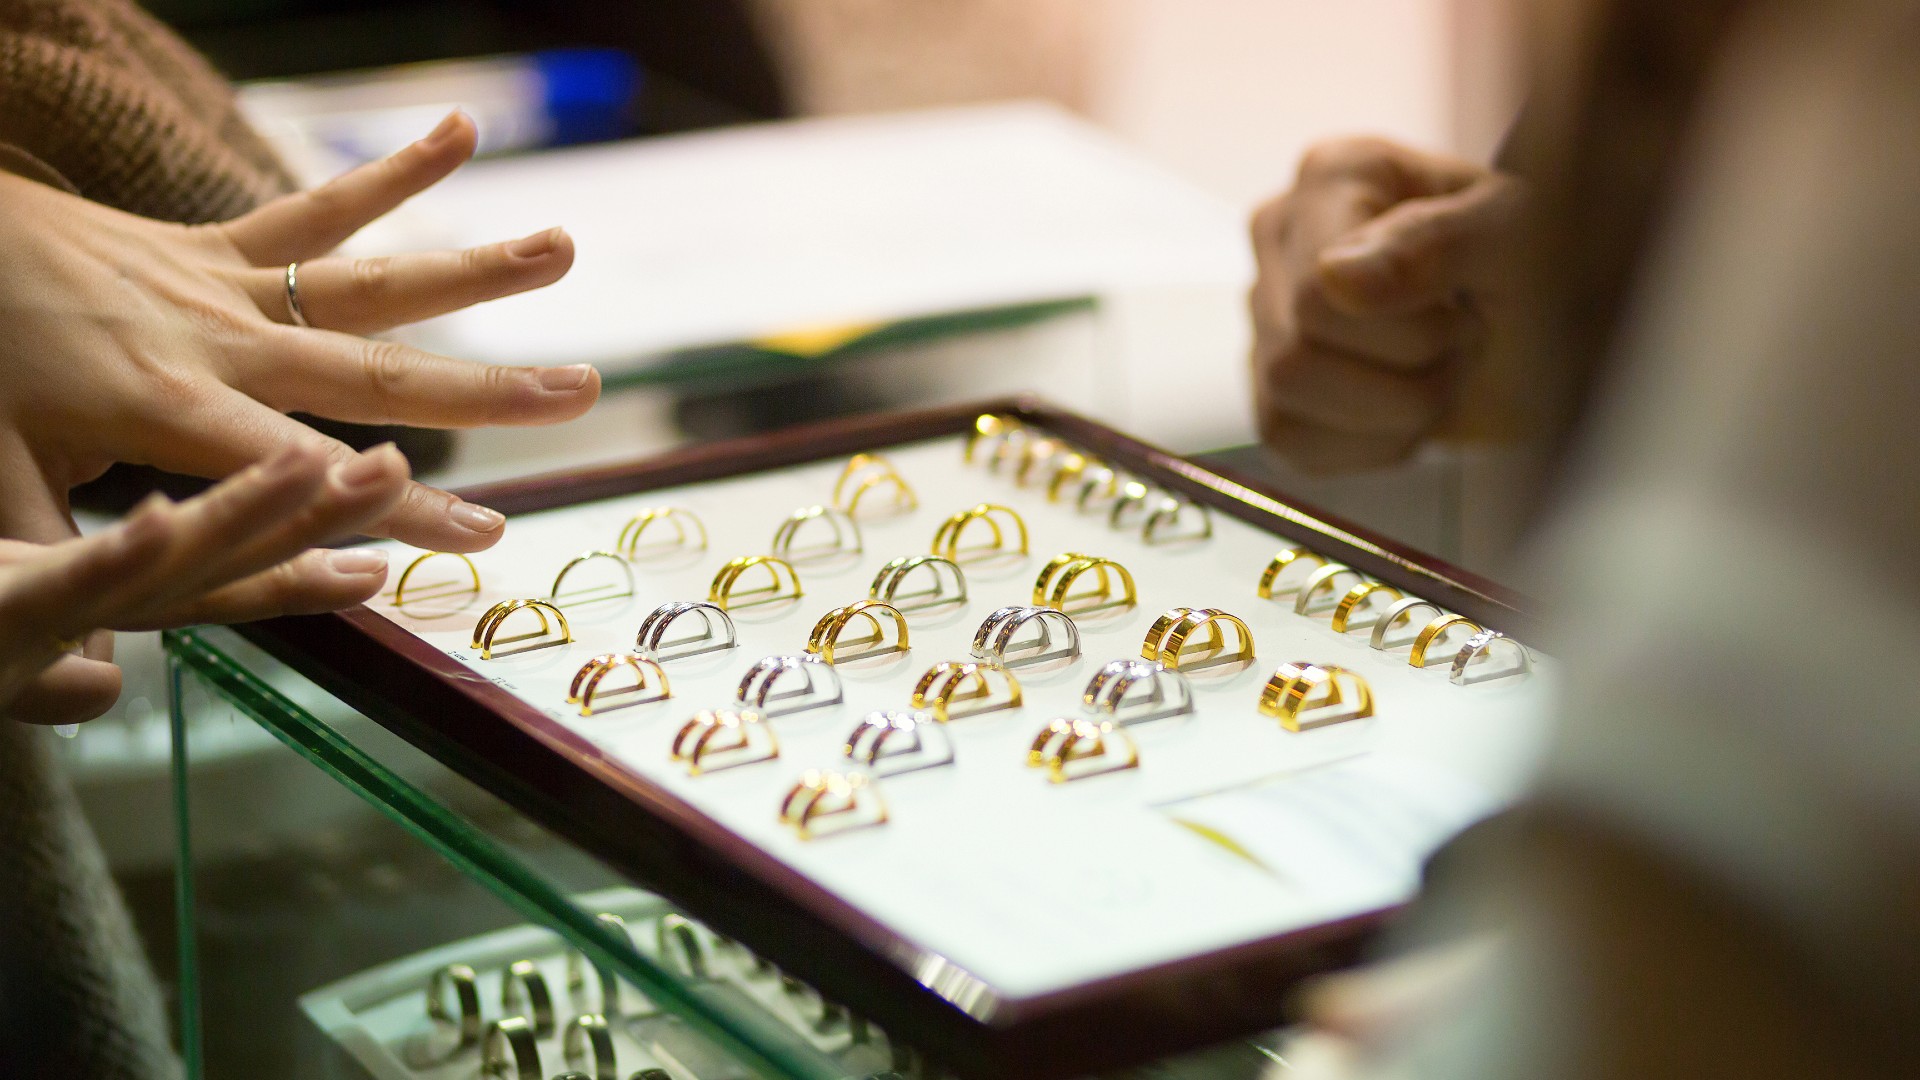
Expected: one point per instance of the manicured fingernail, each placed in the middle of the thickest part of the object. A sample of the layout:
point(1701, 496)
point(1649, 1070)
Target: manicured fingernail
point(561, 379)
point(477, 518)
point(364, 468)
point(356, 561)
point(532, 247)
point(445, 131)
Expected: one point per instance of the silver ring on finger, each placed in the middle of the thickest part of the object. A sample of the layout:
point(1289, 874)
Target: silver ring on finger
point(294, 313)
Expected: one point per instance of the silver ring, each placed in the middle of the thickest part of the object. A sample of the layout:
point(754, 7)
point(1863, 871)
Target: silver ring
point(589, 1033)
point(293, 296)
point(523, 992)
point(510, 1044)
point(465, 991)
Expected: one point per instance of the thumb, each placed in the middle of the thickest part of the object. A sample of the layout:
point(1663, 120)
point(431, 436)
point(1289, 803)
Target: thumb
point(1423, 251)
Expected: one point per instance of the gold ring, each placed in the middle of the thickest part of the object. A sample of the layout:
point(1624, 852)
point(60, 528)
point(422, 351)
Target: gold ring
point(1343, 612)
point(1300, 694)
point(628, 543)
point(946, 539)
point(723, 594)
point(438, 591)
point(486, 631)
point(841, 802)
point(941, 687)
point(1269, 586)
point(749, 741)
point(867, 472)
point(1054, 587)
point(986, 426)
point(825, 640)
point(298, 317)
point(1173, 649)
point(1432, 633)
point(586, 682)
point(1077, 749)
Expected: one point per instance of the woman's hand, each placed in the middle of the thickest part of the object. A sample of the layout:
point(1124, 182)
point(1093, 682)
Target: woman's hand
point(126, 339)
point(1376, 271)
point(234, 553)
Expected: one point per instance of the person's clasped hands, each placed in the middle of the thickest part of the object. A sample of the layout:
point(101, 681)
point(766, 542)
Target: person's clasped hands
point(124, 339)
point(1378, 275)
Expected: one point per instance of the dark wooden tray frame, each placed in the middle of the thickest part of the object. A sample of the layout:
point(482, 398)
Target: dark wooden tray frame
point(565, 784)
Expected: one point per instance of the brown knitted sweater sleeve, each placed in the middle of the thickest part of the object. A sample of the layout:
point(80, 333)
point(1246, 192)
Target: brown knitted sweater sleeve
point(129, 114)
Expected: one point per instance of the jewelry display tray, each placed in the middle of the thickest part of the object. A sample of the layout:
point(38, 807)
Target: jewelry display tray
point(1006, 924)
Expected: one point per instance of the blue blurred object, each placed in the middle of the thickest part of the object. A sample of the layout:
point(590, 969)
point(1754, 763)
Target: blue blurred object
point(590, 93)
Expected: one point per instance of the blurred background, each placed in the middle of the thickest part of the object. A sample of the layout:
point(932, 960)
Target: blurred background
point(801, 208)
point(785, 210)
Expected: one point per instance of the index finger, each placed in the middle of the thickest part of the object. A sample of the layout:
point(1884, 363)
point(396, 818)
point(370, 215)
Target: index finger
point(309, 224)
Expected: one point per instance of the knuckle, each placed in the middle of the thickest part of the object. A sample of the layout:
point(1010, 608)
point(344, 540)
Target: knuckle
point(389, 368)
point(326, 203)
point(372, 277)
point(1270, 218)
point(1343, 157)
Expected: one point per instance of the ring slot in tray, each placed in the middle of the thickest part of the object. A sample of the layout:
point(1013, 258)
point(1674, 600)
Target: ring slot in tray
point(1012, 921)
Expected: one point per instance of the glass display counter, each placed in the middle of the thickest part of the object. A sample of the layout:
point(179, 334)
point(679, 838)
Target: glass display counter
point(368, 913)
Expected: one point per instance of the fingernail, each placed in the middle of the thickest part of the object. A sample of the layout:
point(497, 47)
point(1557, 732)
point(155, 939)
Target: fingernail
point(448, 125)
point(560, 379)
point(477, 518)
point(364, 468)
point(532, 247)
point(356, 561)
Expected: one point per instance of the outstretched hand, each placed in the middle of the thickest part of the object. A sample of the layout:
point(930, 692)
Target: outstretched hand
point(132, 340)
point(234, 553)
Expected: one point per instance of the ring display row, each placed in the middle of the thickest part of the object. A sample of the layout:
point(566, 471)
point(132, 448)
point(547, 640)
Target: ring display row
point(1004, 445)
point(522, 1042)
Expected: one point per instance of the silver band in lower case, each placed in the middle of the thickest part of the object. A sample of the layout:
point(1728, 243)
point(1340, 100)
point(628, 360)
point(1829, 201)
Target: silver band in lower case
point(511, 1044)
point(466, 993)
point(610, 1004)
point(590, 1032)
point(294, 314)
point(523, 992)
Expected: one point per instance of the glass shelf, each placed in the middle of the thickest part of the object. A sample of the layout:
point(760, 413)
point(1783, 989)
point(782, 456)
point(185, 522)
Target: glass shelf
point(384, 857)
